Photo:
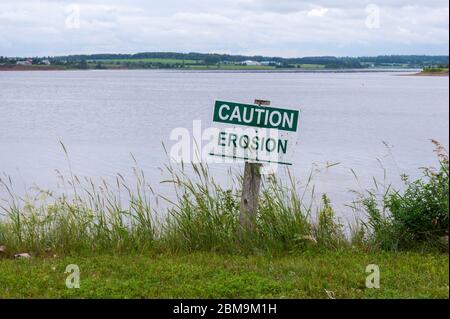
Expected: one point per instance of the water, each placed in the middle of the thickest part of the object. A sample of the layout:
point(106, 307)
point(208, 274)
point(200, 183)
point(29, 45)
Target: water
point(104, 116)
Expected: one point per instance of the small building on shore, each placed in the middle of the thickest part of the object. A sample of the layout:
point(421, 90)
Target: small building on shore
point(250, 63)
point(270, 63)
point(25, 62)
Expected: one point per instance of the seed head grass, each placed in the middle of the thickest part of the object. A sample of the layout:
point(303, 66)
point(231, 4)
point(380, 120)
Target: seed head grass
point(124, 217)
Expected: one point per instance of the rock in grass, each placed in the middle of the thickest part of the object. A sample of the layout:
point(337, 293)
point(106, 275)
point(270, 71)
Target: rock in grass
point(22, 256)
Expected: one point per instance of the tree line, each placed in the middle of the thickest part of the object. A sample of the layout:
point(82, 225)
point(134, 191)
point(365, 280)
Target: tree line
point(415, 61)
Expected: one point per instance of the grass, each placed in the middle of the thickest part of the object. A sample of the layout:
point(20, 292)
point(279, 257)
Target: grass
point(312, 274)
point(122, 216)
point(197, 248)
point(417, 216)
point(187, 64)
point(230, 67)
point(204, 217)
point(434, 71)
point(151, 60)
point(311, 66)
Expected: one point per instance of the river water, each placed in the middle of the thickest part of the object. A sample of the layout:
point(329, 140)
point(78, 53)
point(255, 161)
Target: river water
point(368, 122)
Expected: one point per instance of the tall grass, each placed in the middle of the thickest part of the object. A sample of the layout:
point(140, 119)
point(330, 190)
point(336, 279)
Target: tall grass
point(205, 216)
point(121, 217)
point(92, 218)
point(416, 218)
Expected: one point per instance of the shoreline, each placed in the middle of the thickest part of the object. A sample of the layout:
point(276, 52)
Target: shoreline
point(425, 74)
point(433, 74)
point(12, 68)
point(287, 70)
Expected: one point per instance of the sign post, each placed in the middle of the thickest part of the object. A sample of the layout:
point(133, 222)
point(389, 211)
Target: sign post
point(258, 134)
point(250, 189)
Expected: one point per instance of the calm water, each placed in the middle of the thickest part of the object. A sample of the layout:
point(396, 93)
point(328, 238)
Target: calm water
point(103, 116)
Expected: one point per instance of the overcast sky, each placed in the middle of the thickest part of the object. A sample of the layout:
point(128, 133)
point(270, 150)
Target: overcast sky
point(270, 27)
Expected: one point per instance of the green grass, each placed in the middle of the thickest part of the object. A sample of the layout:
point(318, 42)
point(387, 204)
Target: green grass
point(435, 70)
point(204, 216)
point(126, 249)
point(188, 64)
point(417, 216)
point(151, 60)
point(231, 67)
point(208, 275)
point(311, 66)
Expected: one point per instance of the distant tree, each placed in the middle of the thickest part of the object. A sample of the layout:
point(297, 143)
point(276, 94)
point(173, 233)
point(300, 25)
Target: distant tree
point(83, 65)
point(212, 59)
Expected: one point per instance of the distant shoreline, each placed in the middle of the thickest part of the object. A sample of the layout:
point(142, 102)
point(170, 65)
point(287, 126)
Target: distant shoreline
point(214, 62)
point(32, 68)
point(11, 68)
point(424, 73)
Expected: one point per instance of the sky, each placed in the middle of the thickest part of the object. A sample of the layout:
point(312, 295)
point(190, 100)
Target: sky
point(286, 28)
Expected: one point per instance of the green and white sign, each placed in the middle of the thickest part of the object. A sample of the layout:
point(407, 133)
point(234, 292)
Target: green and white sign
point(255, 133)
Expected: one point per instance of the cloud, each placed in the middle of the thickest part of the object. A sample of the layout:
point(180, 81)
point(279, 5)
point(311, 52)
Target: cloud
point(284, 28)
point(317, 12)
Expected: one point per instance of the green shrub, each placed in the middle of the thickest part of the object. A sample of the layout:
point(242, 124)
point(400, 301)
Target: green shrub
point(415, 217)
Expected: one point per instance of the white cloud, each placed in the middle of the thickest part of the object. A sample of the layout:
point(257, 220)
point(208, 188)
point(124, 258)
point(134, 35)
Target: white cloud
point(317, 12)
point(284, 27)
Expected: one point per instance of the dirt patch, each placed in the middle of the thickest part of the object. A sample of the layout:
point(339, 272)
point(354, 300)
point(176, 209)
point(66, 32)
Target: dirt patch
point(30, 68)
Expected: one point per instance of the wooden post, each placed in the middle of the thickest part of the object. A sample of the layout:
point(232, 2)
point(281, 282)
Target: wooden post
point(250, 189)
